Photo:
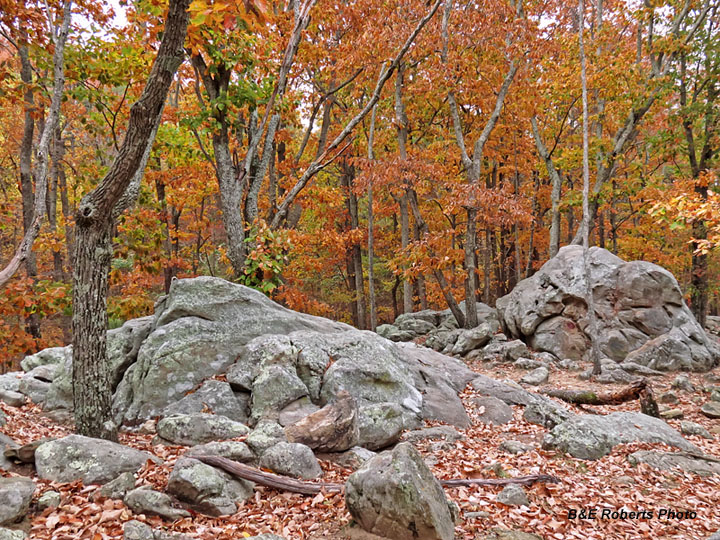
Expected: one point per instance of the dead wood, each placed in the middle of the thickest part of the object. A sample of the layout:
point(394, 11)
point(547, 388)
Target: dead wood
point(639, 390)
point(311, 488)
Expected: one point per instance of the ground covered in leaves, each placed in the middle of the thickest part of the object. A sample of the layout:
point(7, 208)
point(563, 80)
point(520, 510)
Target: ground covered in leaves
point(610, 482)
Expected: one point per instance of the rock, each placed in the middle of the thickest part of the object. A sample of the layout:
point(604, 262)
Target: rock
point(265, 435)
point(36, 383)
point(380, 425)
point(199, 428)
point(570, 365)
point(233, 450)
point(26, 452)
point(715, 395)
point(209, 490)
point(393, 333)
point(638, 369)
point(352, 458)
point(528, 363)
point(274, 389)
point(591, 436)
point(117, 488)
point(334, 428)
point(691, 428)
point(214, 397)
point(642, 317)
point(151, 502)
point(297, 410)
point(14, 399)
point(417, 326)
point(715, 536)
point(94, 461)
point(266, 536)
point(667, 461)
point(11, 381)
point(473, 338)
point(442, 339)
point(440, 402)
point(49, 499)
point(476, 515)
point(395, 495)
point(136, 530)
point(536, 377)
point(5, 444)
point(711, 409)
point(10, 534)
point(671, 414)
point(505, 534)
point(46, 357)
point(3, 418)
point(493, 410)
point(513, 495)
point(668, 397)
point(515, 447)
point(503, 351)
point(446, 433)
point(198, 331)
point(291, 459)
point(16, 492)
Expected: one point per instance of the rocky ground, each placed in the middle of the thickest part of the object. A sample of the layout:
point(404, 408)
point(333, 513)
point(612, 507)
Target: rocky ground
point(483, 450)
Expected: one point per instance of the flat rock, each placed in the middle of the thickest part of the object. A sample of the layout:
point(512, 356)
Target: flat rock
point(12, 398)
point(199, 428)
point(297, 410)
point(94, 461)
point(492, 410)
point(151, 502)
point(49, 499)
point(352, 459)
point(233, 450)
point(292, 459)
point(15, 495)
point(214, 397)
point(536, 377)
point(395, 495)
point(667, 461)
point(692, 428)
point(117, 488)
point(515, 447)
point(334, 428)
point(592, 436)
point(513, 495)
point(11, 534)
point(137, 530)
point(711, 409)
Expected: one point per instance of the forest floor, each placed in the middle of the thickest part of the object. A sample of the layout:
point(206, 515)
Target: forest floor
point(610, 482)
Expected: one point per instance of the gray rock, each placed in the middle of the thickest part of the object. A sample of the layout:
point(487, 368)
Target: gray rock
point(14, 399)
point(393, 333)
point(691, 428)
point(136, 530)
point(334, 428)
point(15, 495)
point(11, 381)
point(668, 397)
point(213, 396)
point(515, 447)
point(380, 425)
point(49, 499)
point(274, 389)
point(199, 428)
point(3, 418)
point(94, 461)
point(257, 354)
point(46, 357)
point(233, 450)
point(715, 395)
point(715, 536)
point(415, 325)
point(668, 461)
point(151, 502)
point(395, 495)
point(476, 515)
point(641, 313)
point(528, 363)
point(494, 410)
point(442, 339)
point(198, 331)
point(6, 442)
point(352, 458)
point(297, 410)
point(570, 365)
point(291, 459)
point(36, 383)
point(266, 536)
point(592, 436)
point(209, 490)
point(265, 435)
point(473, 338)
point(711, 409)
point(536, 377)
point(682, 382)
point(513, 495)
point(117, 488)
point(10, 534)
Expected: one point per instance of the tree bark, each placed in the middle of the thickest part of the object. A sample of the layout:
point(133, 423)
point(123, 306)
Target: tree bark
point(94, 224)
point(371, 227)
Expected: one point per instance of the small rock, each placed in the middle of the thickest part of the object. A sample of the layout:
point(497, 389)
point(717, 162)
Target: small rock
point(672, 414)
point(291, 459)
point(715, 395)
point(199, 428)
point(151, 502)
point(668, 397)
point(297, 410)
point(493, 410)
point(49, 499)
point(624, 481)
point(233, 450)
point(14, 399)
point(136, 530)
point(513, 495)
point(266, 536)
point(448, 433)
point(692, 428)
point(380, 425)
point(473, 338)
point(528, 363)
point(536, 377)
point(353, 458)
point(149, 427)
point(477, 515)
point(267, 433)
point(116, 489)
point(682, 382)
point(10, 534)
point(570, 365)
point(515, 447)
point(711, 409)
point(15, 495)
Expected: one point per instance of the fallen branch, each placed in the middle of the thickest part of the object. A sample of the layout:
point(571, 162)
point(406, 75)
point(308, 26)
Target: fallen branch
point(639, 390)
point(311, 488)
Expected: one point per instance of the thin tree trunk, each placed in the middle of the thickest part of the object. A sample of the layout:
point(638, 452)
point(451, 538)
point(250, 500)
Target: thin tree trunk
point(556, 180)
point(92, 391)
point(371, 227)
point(401, 123)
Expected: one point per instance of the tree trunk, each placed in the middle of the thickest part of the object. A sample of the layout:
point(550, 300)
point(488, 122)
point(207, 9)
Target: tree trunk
point(94, 224)
point(402, 134)
point(471, 317)
point(371, 228)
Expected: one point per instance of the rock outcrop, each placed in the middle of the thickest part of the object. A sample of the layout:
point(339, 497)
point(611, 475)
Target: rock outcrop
point(641, 315)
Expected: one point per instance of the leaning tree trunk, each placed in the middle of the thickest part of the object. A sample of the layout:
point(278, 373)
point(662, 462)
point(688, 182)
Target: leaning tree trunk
point(94, 227)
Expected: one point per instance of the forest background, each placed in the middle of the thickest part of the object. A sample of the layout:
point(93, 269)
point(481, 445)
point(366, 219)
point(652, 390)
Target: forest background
point(351, 161)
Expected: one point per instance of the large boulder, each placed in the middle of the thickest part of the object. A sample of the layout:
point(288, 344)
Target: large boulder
point(213, 396)
point(592, 436)
point(395, 495)
point(641, 315)
point(199, 428)
point(198, 331)
point(94, 461)
point(668, 461)
point(15, 496)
